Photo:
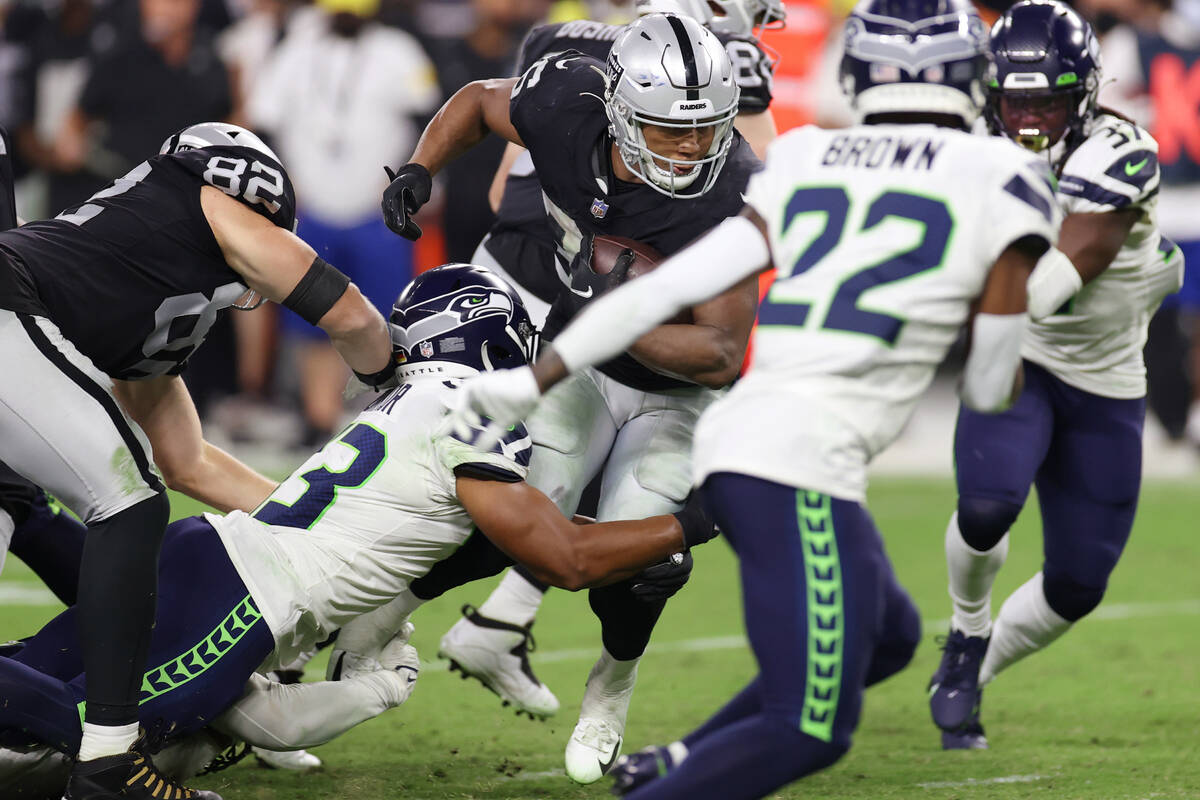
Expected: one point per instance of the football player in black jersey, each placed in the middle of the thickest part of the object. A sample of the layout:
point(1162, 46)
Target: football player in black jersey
point(519, 247)
point(643, 148)
point(100, 308)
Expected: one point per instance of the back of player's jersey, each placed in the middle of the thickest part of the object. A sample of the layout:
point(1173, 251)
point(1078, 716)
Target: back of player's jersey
point(881, 235)
point(134, 277)
point(370, 512)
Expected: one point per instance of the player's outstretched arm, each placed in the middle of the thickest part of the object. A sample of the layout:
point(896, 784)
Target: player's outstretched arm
point(477, 109)
point(1087, 245)
point(526, 525)
point(281, 267)
point(992, 377)
point(474, 111)
point(164, 409)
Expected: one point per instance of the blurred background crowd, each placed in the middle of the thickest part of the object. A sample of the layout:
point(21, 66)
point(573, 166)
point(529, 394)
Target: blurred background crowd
point(89, 88)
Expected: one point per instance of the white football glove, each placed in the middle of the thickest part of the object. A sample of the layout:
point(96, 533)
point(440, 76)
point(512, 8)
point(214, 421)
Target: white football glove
point(506, 397)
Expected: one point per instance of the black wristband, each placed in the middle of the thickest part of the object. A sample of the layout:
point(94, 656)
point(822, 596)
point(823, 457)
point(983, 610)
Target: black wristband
point(321, 287)
point(697, 526)
point(377, 379)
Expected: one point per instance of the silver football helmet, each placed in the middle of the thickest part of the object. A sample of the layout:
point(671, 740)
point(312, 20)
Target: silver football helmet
point(208, 134)
point(698, 10)
point(670, 71)
point(741, 17)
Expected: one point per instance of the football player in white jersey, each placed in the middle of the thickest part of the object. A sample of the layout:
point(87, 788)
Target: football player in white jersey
point(393, 494)
point(884, 235)
point(1076, 431)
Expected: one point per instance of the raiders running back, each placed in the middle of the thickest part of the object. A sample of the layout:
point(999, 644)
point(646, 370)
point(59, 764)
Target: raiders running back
point(134, 276)
point(558, 109)
point(519, 240)
point(1095, 341)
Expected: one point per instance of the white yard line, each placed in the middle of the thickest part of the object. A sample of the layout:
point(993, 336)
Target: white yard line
point(983, 781)
point(26, 594)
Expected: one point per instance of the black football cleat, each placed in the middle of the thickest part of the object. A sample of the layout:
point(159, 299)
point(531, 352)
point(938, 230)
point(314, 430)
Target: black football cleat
point(129, 776)
point(954, 692)
point(637, 769)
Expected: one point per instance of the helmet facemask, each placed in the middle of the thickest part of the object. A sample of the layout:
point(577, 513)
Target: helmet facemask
point(668, 175)
point(671, 73)
point(1047, 74)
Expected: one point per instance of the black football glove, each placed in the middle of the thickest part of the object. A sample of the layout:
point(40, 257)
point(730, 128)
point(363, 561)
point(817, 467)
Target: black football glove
point(408, 191)
point(698, 527)
point(655, 584)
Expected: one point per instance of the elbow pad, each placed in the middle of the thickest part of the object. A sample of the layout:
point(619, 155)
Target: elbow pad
point(1053, 282)
point(991, 369)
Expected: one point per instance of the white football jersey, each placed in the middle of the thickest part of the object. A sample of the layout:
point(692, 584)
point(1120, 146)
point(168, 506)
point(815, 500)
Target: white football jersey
point(362, 518)
point(1095, 341)
point(882, 236)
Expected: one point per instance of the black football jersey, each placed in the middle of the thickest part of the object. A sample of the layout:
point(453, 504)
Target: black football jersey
point(562, 122)
point(134, 277)
point(8, 202)
point(520, 239)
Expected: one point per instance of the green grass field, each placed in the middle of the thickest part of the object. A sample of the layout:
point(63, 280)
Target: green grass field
point(1110, 712)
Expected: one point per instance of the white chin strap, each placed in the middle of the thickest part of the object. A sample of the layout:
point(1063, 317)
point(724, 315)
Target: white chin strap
point(918, 98)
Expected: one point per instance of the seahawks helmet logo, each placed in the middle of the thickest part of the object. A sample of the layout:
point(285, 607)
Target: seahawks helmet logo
point(446, 313)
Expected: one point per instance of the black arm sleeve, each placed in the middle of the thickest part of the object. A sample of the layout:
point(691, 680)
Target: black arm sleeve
point(321, 287)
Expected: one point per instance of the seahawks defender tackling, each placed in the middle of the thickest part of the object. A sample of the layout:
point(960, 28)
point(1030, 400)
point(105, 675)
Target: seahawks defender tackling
point(885, 236)
point(1076, 432)
point(393, 494)
point(643, 148)
point(106, 302)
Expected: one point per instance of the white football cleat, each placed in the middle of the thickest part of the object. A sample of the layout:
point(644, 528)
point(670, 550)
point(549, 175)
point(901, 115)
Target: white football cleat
point(593, 749)
point(596, 741)
point(496, 653)
point(400, 659)
point(294, 760)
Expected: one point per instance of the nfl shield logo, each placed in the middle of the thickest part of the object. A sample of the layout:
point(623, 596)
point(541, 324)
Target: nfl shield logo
point(599, 208)
point(426, 349)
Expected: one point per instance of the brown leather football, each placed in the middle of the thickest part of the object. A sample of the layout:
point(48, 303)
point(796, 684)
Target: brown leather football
point(608, 250)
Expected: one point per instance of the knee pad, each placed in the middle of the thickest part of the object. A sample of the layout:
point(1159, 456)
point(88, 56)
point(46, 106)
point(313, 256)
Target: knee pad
point(983, 521)
point(1070, 600)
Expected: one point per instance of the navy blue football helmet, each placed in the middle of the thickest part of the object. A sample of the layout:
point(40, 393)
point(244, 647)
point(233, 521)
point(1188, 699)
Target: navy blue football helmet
point(1047, 74)
point(915, 56)
point(462, 314)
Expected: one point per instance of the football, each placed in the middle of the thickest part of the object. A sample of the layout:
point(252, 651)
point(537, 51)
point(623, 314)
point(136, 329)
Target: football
point(608, 251)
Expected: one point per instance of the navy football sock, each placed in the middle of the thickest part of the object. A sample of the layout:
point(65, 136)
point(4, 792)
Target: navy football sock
point(50, 542)
point(747, 759)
